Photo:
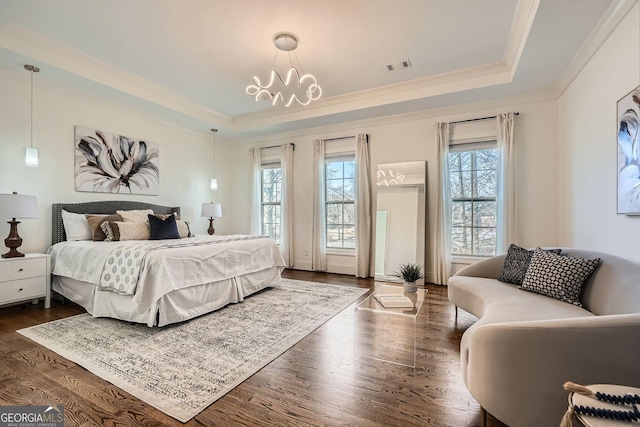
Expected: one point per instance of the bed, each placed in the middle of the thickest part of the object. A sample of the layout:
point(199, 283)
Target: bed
point(176, 280)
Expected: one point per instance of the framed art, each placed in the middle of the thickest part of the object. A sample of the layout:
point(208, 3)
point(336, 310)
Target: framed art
point(109, 163)
point(628, 192)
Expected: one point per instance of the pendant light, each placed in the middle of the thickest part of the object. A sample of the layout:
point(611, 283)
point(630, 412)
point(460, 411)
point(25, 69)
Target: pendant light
point(214, 181)
point(31, 152)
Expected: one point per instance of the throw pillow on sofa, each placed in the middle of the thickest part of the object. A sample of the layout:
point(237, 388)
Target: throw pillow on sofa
point(516, 264)
point(557, 276)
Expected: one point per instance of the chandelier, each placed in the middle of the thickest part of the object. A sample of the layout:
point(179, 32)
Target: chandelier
point(295, 86)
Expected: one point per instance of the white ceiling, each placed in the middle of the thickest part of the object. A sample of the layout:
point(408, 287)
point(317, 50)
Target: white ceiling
point(190, 60)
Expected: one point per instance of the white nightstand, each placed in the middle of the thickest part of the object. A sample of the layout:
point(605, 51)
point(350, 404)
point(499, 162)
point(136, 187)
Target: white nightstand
point(25, 278)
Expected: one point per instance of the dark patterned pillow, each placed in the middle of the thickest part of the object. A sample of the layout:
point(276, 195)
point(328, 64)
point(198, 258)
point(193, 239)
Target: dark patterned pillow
point(557, 276)
point(517, 262)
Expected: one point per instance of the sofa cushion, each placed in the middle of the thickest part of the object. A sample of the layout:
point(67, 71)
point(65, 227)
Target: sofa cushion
point(516, 264)
point(559, 277)
point(494, 301)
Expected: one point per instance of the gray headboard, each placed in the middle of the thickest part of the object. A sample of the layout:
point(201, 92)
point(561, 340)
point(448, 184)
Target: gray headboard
point(107, 207)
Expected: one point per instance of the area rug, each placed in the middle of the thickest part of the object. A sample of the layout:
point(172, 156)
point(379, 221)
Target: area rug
point(181, 369)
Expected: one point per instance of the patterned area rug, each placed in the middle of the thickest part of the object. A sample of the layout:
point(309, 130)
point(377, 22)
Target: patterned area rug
point(181, 369)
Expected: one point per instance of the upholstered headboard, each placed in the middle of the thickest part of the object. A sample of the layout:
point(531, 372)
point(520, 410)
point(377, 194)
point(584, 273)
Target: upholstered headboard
point(107, 207)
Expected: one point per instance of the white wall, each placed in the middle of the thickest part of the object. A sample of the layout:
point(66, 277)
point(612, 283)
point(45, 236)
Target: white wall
point(185, 157)
point(411, 138)
point(588, 147)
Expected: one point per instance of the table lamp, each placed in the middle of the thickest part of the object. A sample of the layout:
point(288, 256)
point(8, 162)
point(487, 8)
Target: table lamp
point(211, 210)
point(14, 206)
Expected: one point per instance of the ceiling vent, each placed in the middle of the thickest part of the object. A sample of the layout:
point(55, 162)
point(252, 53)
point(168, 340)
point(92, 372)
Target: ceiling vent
point(399, 65)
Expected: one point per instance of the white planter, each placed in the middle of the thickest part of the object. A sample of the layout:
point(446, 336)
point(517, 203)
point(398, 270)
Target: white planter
point(410, 287)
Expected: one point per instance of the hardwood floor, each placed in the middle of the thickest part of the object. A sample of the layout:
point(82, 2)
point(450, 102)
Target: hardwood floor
point(322, 380)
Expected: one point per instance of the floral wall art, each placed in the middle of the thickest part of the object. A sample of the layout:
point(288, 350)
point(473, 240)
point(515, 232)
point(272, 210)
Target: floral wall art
point(109, 163)
point(629, 153)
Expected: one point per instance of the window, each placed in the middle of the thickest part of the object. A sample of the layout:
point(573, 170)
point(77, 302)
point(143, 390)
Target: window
point(271, 184)
point(473, 177)
point(340, 193)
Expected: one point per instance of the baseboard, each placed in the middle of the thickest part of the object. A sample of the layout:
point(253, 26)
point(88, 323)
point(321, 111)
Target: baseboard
point(331, 268)
point(302, 265)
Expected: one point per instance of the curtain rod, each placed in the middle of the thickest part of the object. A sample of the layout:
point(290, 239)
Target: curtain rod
point(478, 119)
point(339, 138)
point(276, 146)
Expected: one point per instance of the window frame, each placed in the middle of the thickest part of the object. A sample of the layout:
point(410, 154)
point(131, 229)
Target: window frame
point(339, 250)
point(473, 146)
point(265, 166)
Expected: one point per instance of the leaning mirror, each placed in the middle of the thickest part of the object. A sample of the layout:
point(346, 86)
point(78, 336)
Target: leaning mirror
point(400, 217)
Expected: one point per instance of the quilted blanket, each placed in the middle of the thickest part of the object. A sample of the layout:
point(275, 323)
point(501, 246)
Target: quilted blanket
point(123, 266)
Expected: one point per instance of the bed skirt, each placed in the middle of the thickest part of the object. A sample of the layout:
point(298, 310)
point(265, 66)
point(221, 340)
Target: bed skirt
point(176, 306)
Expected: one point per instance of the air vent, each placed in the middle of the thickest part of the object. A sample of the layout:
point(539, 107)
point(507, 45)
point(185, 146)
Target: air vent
point(399, 65)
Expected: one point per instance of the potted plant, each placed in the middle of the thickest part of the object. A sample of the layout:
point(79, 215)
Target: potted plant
point(409, 273)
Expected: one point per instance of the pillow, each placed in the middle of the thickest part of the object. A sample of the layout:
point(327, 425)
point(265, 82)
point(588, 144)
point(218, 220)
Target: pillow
point(517, 262)
point(119, 230)
point(139, 215)
point(163, 228)
point(184, 228)
point(165, 216)
point(94, 224)
point(76, 226)
point(557, 276)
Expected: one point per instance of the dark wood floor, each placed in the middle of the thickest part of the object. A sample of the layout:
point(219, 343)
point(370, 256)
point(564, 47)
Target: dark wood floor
point(322, 380)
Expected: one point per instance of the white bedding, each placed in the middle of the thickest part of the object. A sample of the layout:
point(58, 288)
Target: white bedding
point(169, 265)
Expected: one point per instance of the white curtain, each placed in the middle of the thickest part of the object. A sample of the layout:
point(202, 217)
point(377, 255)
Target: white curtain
point(442, 252)
point(286, 201)
point(363, 206)
point(256, 190)
point(506, 200)
point(319, 238)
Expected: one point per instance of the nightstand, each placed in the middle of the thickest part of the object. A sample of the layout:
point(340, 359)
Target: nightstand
point(25, 278)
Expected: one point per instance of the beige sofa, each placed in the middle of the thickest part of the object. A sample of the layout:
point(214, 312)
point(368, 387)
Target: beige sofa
point(524, 346)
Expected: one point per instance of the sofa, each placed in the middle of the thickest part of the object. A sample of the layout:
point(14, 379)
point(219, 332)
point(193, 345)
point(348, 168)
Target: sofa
point(525, 346)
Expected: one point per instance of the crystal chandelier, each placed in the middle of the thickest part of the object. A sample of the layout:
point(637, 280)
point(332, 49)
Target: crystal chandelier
point(290, 88)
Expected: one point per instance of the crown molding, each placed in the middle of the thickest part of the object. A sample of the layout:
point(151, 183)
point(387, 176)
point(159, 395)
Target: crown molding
point(614, 15)
point(451, 113)
point(31, 44)
point(20, 77)
point(457, 81)
point(520, 29)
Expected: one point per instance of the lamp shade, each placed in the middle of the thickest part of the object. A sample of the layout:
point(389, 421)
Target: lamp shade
point(18, 206)
point(31, 157)
point(211, 210)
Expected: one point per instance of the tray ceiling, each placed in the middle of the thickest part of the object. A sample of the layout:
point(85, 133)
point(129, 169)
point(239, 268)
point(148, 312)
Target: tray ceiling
point(190, 61)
